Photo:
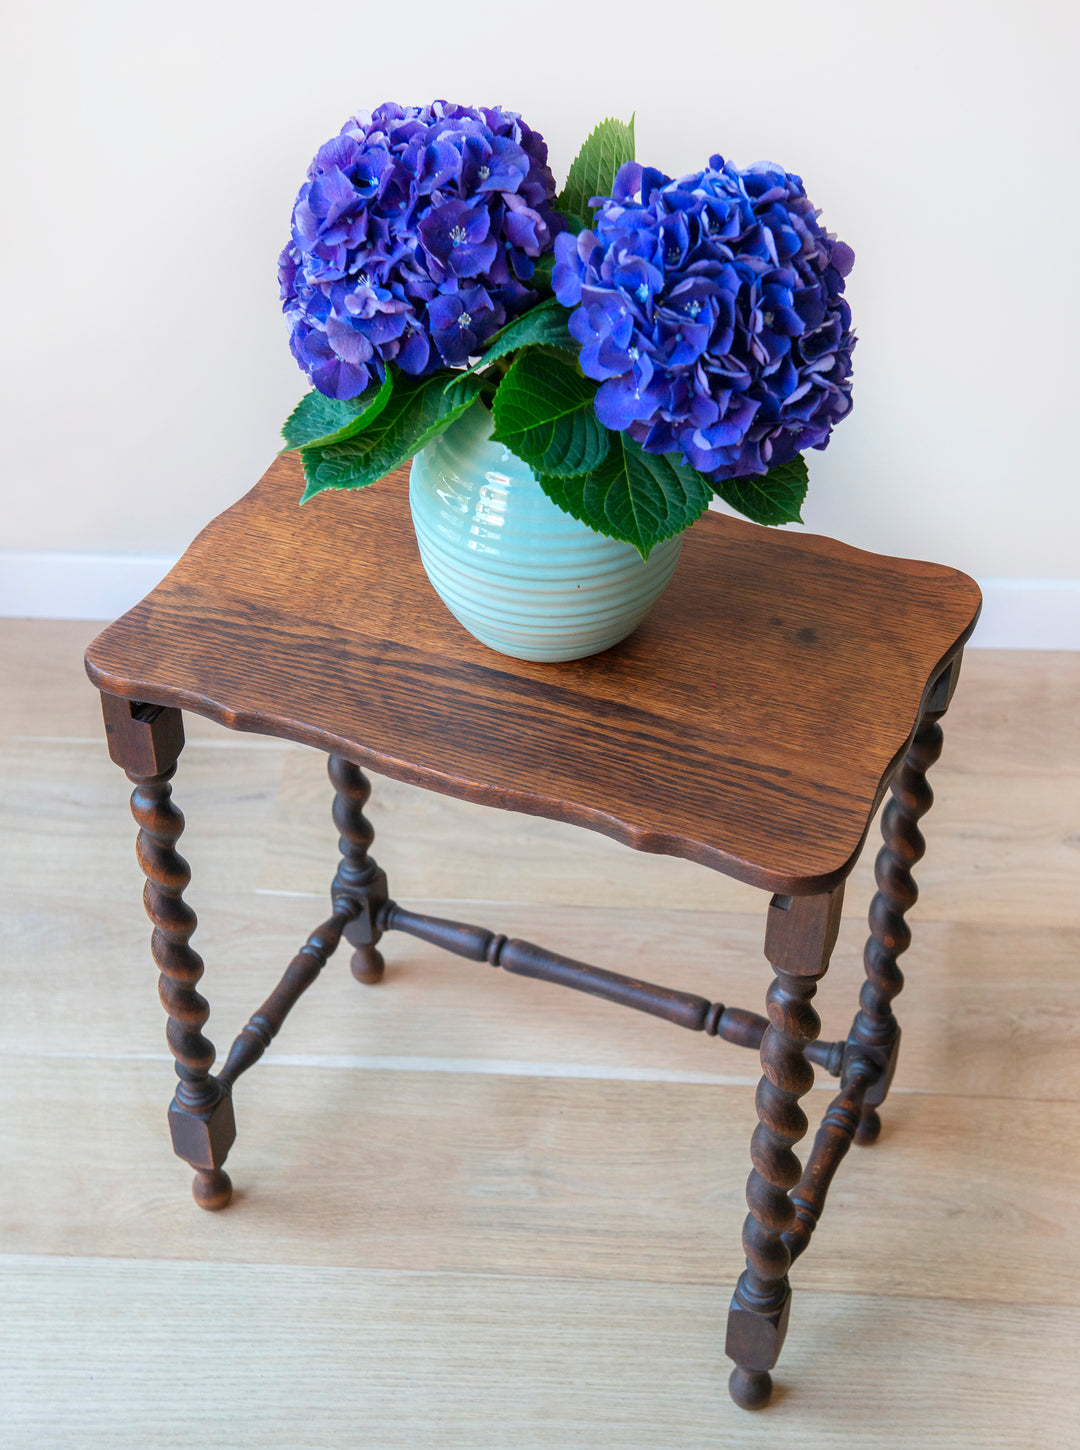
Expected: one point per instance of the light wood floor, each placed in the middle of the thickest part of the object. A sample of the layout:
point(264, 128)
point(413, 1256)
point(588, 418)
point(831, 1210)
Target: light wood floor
point(474, 1211)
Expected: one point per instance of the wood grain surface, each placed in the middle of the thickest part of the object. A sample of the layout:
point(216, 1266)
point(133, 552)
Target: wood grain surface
point(748, 724)
point(414, 1361)
point(503, 1173)
point(455, 1189)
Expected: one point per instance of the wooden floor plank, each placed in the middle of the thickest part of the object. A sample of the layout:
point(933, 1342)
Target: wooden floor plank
point(110, 1353)
point(64, 816)
point(1015, 713)
point(43, 686)
point(504, 1174)
point(432, 845)
point(973, 1023)
point(479, 1211)
point(999, 848)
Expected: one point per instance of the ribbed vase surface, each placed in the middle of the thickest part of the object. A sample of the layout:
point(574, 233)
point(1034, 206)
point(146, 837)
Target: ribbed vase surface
point(523, 577)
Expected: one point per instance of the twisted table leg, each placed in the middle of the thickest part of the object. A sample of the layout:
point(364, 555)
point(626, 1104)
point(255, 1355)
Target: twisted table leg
point(799, 938)
point(875, 1029)
point(146, 741)
point(358, 882)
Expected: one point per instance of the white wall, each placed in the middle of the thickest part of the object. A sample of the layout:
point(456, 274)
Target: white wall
point(152, 153)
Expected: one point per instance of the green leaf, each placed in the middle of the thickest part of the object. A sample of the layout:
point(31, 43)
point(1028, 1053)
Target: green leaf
point(545, 265)
point(575, 223)
point(418, 411)
point(636, 496)
point(544, 325)
point(593, 172)
point(544, 413)
point(769, 498)
point(317, 421)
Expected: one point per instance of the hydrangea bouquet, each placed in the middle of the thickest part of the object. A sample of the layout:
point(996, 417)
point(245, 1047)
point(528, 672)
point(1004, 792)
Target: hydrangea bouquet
point(642, 343)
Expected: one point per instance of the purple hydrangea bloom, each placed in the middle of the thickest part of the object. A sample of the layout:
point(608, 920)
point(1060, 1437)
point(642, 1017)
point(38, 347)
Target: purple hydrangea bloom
point(711, 311)
point(413, 239)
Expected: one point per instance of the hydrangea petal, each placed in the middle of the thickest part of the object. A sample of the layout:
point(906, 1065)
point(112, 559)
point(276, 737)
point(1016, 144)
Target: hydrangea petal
point(374, 246)
point(734, 294)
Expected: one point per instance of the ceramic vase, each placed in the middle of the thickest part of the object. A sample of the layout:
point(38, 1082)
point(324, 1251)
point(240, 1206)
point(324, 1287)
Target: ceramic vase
point(523, 577)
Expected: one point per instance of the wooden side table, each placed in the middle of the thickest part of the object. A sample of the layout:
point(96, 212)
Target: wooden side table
point(752, 724)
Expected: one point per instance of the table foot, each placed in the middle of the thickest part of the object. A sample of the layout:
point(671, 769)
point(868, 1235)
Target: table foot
point(869, 1129)
point(367, 965)
point(212, 1190)
point(751, 1389)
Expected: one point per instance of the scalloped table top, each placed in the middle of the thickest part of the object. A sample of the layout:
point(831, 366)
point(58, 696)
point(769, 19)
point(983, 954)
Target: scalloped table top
point(752, 723)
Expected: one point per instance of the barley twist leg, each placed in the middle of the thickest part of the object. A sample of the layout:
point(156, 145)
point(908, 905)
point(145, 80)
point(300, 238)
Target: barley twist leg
point(358, 881)
point(145, 740)
point(201, 1116)
point(875, 1029)
point(799, 938)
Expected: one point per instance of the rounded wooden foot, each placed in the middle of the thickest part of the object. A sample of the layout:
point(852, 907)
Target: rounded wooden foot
point(751, 1389)
point(367, 965)
point(212, 1190)
point(869, 1128)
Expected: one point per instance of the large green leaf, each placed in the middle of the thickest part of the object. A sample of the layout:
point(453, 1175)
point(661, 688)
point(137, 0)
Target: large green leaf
point(318, 421)
point(775, 497)
point(544, 413)
point(543, 326)
point(636, 496)
point(545, 265)
point(594, 168)
point(418, 411)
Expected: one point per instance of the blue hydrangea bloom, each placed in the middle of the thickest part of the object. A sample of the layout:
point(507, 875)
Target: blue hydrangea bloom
point(711, 311)
point(414, 239)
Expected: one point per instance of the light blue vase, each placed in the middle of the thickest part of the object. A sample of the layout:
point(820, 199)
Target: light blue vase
point(522, 576)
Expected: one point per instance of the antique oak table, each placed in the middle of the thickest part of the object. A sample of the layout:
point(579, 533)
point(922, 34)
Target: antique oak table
point(753, 724)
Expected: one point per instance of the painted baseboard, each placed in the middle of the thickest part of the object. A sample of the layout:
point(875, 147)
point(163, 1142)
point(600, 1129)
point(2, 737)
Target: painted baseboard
point(76, 586)
point(1029, 614)
point(1017, 613)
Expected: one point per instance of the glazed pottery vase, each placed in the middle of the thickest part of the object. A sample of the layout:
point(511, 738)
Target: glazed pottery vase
point(523, 577)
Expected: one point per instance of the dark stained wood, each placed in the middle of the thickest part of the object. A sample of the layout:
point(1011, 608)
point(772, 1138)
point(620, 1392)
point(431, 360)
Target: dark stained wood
point(800, 934)
point(266, 1023)
point(474, 943)
point(875, 1033)
point(359, 888)
point(144, 740)
point(526, 959)
point(834, 1138)
point(200, 1117)
point(788, 948)
point(751, 723)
